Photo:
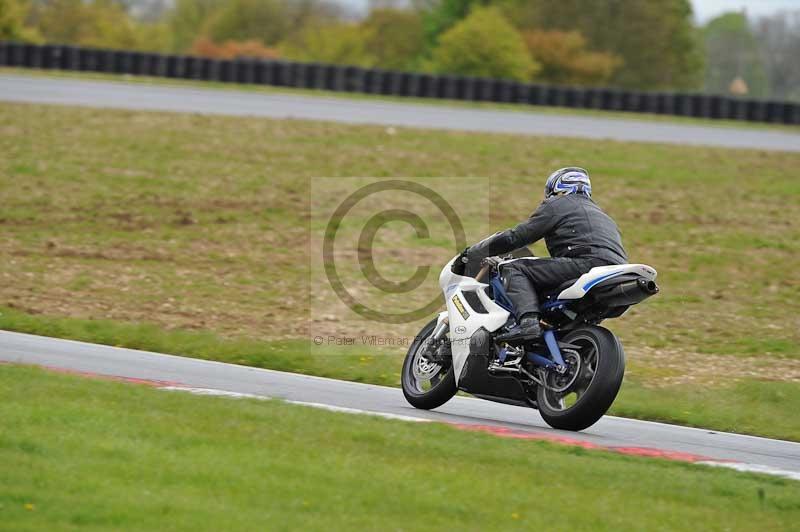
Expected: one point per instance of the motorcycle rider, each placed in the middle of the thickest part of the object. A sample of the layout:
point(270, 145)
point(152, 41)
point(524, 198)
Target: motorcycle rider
point(578, 234)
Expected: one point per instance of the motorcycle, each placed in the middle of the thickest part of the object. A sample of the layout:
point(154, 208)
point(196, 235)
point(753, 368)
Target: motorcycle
point(572, 374)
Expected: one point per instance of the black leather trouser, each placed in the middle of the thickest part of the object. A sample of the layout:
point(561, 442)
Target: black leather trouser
point(524, 277)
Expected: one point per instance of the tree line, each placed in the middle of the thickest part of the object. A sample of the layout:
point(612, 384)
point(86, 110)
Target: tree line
point(648, 45)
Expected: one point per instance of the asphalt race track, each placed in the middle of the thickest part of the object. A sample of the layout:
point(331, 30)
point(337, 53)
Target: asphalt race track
point(121, 95)
point(740, 452)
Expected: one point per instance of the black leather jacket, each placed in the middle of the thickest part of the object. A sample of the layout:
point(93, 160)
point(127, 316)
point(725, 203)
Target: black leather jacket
point(572, 226)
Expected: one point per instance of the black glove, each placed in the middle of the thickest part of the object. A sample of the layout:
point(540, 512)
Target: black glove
point(492, 262)
point(460, 264)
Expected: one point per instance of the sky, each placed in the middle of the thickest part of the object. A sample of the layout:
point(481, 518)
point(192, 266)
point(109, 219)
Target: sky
point(707, 9)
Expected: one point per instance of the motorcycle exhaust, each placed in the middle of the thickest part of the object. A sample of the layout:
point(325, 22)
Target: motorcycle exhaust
point(629, 293)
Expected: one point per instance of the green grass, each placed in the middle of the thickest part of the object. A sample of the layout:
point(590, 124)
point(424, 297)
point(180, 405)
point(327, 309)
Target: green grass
point(537, 109)
point(196, 235)
point(749, 406)
point(96, 455)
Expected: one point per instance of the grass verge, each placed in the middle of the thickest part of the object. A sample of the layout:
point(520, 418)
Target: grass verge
point(96, 455)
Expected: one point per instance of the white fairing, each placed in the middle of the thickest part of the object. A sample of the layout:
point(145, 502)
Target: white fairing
point(464, 320)
point(586, 281)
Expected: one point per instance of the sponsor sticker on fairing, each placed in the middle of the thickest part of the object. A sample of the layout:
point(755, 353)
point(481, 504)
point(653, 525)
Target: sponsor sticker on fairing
point(460, 307)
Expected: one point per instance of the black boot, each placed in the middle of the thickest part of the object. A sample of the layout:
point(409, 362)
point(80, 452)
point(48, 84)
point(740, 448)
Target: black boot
point(528, 329)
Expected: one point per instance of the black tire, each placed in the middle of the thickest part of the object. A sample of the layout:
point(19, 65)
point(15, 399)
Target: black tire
point(597, 398)
point(439, 394)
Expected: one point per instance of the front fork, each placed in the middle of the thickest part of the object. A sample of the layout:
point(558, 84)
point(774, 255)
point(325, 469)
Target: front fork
point(441, 329)
point(432, 352)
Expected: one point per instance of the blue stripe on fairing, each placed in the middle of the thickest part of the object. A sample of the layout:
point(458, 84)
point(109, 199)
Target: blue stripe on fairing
point(590, 284)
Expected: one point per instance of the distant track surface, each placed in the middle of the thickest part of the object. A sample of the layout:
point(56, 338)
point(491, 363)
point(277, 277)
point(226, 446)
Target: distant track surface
point(138, 96)
point(746, 453)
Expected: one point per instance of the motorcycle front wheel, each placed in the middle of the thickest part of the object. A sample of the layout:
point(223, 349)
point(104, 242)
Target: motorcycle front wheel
point(427, 382)
point(579, 398)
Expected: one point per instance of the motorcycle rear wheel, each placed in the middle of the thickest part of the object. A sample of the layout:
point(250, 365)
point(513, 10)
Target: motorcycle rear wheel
point(441, 384)
point(595, 383)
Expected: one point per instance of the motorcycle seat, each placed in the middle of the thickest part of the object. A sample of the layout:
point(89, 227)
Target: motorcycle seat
point(552, 293)
point(577, 288)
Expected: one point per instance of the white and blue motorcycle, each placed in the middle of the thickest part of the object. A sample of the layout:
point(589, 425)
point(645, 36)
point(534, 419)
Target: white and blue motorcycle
point(571, 374)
